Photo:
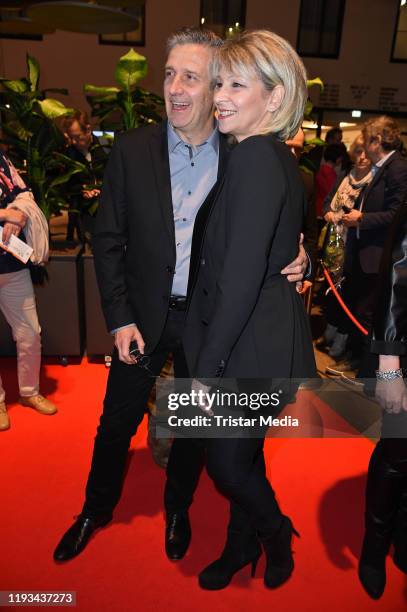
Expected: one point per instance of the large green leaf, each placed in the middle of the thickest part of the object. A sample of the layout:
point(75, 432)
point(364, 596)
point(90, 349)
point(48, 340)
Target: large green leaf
point(64, 178)
point(33, 71)
point(317, 81)
point(18, 86)
point(70, 162)
point(100, 91)
point(54, 108)
point(308, 108)
point(130, 69)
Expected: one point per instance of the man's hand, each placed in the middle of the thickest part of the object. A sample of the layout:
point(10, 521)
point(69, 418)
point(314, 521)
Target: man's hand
point(122, 339)
point(392, 395)
point(296, 269)
point(88, 194)
point(351, 219)
point(202, 389)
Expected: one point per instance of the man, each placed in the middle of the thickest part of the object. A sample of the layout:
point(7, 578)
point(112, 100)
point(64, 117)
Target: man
point(85, 148)
point(156, 181)
point(368, 224)
point(312, 159)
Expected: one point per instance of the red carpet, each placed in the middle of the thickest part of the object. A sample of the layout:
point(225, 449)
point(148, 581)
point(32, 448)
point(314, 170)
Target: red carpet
point(44, 464)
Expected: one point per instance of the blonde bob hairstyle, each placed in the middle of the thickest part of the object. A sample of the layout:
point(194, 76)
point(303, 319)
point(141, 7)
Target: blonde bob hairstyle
point(358, 143)
point(272, 59)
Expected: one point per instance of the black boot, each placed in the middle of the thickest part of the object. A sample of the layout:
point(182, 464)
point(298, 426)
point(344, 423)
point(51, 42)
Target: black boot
point(372, 564)
point(400, 536)
point(277, 546)
point(240, 550)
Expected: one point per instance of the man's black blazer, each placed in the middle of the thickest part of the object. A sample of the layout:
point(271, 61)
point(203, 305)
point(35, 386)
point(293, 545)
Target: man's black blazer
point(381, 200)
point(134, 236)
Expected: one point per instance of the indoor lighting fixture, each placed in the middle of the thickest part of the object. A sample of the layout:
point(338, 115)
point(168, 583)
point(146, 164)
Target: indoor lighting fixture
point(357, 113)
point(311, 125)
point(345, 124)
point(202, 20)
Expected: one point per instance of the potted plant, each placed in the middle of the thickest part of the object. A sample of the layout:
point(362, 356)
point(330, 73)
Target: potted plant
point(128, 105)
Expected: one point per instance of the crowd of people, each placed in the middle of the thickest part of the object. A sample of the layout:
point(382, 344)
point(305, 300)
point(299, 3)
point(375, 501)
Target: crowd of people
point(198, 249)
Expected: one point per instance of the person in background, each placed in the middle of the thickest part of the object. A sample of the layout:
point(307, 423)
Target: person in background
point(85, 148)
point(386, 489)
point(345, 196)
point(327, 175)
point(17, 300)
point(313, 158)
point(368, 223)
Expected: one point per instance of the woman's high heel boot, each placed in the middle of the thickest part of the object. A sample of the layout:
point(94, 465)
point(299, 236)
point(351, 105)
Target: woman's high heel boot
point(238, 553)
point(277, 546)
point(372, 564)
point(400, 536)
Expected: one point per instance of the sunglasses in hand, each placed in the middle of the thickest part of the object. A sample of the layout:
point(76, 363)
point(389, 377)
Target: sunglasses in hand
point(143, 361)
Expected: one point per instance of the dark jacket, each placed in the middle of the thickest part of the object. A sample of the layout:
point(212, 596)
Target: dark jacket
point(380, 201)
point(134, 236)
point(95, 169)
point(245, 319)
point(390, 325)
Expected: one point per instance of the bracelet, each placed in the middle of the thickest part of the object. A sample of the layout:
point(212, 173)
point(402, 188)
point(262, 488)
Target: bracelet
point(389, 374)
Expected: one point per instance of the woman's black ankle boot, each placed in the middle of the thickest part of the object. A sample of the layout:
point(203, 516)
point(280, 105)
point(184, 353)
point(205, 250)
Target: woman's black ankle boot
point(238, 553)
point(372, 564)
point(277, 546)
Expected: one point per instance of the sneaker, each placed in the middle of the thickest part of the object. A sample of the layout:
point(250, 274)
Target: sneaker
point(39, 403)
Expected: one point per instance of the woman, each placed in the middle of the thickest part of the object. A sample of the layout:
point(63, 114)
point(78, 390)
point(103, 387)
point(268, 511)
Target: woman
point(20, 216)
point(386, 490)
point(346, 196)
point(245, 321)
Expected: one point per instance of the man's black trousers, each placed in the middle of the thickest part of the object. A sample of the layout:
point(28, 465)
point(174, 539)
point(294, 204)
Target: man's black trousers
point(124, 407)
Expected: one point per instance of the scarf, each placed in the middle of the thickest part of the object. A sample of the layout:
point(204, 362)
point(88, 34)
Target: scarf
point(348, 192)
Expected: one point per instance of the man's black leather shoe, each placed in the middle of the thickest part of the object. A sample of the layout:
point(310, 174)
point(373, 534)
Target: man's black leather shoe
point(76, 538)
point(177, 535)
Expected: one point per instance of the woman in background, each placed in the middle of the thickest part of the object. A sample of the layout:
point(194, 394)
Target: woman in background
point(386, 490)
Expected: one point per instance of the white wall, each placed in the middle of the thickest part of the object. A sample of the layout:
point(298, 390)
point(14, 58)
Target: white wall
point(70, 60)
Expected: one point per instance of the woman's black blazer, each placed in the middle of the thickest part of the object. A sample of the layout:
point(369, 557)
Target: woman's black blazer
point(245, 319)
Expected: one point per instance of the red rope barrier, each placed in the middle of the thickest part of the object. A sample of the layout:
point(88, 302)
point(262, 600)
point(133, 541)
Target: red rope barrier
point(342, 303)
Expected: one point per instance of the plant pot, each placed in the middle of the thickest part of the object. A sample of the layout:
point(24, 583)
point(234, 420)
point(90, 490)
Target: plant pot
point(60, 307)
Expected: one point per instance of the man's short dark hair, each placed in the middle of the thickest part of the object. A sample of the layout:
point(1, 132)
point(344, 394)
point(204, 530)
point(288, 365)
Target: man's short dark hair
point(193, 36)
point(332, 134)
point(334, 151)
point(80, 116)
